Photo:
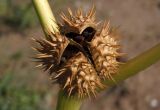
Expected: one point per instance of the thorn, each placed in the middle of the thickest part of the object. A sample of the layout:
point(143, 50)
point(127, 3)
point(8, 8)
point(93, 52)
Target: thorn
point(34, 48)
point(110, 76)
point(80, 89)
point(100, 84)
point(121, 63)
point(99, 23)
point(70, 91)
point(67, 83)
point(38, 65)
point(116, 46)
point(106, 27)
point(64, 69)
point(59, 74)
point(91, 12)
point(66, 19)
point(41, 54)
point(50, 43)
point(79, 12)
point(44, 56)
point(94, 93)
point(53, 81)
point(33, 39)
point(81, 94)
point(122, 54)
point(70, 12)
point(50, 66)
point(88, 93)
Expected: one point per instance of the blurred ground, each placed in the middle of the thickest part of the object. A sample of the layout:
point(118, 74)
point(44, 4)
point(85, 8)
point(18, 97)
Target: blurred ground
point(22, 87)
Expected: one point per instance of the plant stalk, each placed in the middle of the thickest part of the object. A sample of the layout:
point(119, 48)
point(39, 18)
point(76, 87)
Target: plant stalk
point(68, 103)
point(45, 16)
point(137, 64)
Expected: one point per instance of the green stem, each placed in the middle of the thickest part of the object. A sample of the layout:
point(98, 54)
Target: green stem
point(127, 70)
point(45, 16)
point(68, 103)
point(137, 64)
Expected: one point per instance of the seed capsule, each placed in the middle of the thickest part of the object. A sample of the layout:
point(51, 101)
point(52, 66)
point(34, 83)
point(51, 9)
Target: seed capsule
point(80, 55)
point(78, 76)
point(104, 49)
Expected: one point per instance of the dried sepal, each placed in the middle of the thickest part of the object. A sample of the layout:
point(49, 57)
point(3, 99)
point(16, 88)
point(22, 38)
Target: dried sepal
point(78, 22)
point(50, 51)
point(78, 76)
point(104, 49)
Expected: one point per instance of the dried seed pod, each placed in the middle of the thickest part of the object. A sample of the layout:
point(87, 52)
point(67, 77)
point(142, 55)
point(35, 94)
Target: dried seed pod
point(78, 22)
point(50, 51)
point(80, 55)
point(104, 49)
point(78, 76)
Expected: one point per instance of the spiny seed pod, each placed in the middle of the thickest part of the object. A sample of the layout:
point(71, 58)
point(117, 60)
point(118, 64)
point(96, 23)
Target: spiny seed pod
point(78, 76)
point(80, 55)
point(104, 50)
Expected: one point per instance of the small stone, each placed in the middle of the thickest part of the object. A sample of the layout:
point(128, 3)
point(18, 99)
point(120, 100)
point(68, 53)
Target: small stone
point(154, 103)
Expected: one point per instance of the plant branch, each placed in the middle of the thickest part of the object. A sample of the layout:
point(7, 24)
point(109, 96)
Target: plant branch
point(137, 64)
point(45, 16)
point(68, 103)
